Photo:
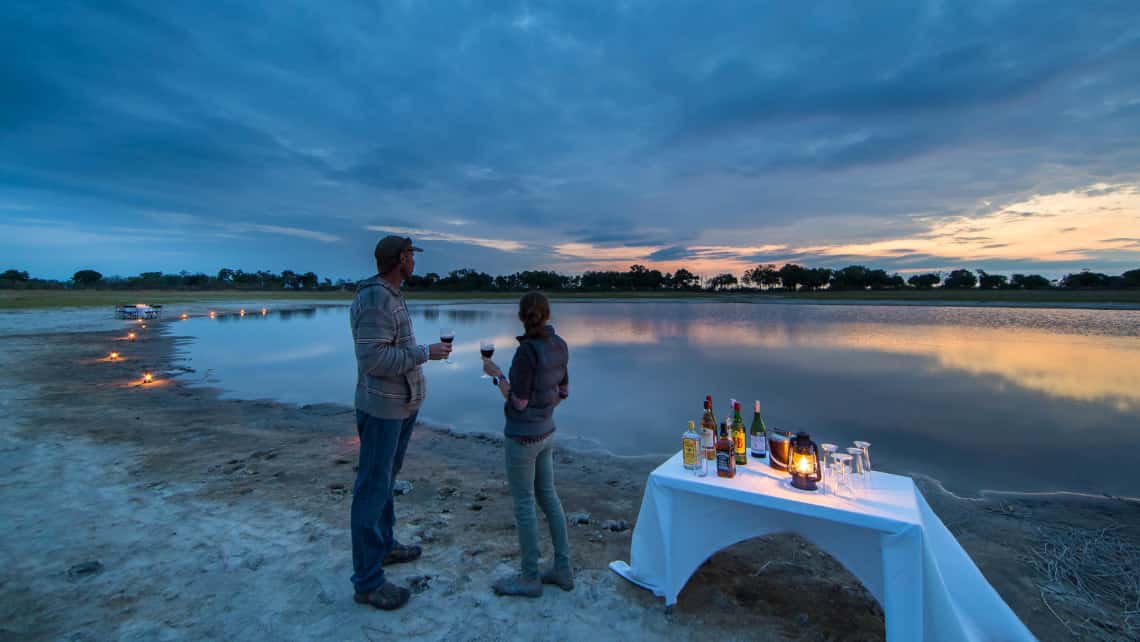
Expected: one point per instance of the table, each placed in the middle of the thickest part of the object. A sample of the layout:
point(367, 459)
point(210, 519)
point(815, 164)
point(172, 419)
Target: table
point(889, 538)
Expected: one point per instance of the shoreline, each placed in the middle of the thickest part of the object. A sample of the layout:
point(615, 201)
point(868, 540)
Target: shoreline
point(228, 518)
point(30, 300)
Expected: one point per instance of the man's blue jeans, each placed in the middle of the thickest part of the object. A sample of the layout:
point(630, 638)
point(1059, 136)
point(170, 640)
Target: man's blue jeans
point(383, 443)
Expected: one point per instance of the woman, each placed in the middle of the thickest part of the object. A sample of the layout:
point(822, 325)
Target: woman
point(537, 384)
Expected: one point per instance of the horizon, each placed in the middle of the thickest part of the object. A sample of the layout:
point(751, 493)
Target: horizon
point(914, 139)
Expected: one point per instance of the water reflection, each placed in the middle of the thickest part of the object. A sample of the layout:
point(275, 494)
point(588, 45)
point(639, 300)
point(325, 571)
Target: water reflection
point(1005, 398)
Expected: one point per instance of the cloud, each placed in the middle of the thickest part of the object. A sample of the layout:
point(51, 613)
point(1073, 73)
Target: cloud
point(552, 126)
point(504, 245)
point(671, 253)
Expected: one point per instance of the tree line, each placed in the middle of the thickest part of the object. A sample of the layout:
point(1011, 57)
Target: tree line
point(788, 278)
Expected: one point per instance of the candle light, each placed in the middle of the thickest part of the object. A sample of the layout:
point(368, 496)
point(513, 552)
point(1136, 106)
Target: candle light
point(185, 316)
point(242, 312)
point(212, 314)
point(113, 356)
point(147, 377)
point(264, 312)
point(130, 336)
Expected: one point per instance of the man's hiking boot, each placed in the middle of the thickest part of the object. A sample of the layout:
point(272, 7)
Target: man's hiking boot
point(402, 553)
point(518, 585)
point(388, 597)
point(563, 578)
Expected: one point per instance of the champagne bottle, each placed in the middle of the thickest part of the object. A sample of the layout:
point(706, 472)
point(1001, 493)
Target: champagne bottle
point(690, 447)
point(739, 436)
point(725, 452)
point(759, 435)
point(708, 429)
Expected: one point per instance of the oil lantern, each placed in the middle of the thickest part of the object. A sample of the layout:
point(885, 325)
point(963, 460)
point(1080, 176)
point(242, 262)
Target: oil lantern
point(803, 462)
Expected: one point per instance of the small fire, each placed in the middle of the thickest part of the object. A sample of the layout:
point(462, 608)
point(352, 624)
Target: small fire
point(264, 312)
point(113, 356)
point(242, 312)
point(130, 336)
point(213, 314)
point(147, 377)
point(143, 326)
point(185, 316)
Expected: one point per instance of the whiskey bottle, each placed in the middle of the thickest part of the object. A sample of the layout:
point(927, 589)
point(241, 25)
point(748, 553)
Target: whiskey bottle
point(739, 435)
point(725, 455)
point(708, 429)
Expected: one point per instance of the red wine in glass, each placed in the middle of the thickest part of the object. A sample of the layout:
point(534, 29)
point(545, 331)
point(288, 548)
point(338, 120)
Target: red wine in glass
point(447, 335)
point(486, 348)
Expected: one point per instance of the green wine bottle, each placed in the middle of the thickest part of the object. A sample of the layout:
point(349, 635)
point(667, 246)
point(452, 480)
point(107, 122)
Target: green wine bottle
point(759, 435)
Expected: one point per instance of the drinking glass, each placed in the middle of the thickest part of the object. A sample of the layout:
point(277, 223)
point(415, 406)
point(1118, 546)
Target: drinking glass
point(865, 447)
point(858, 470)
point(703, 469)
point(828, 476)
point(447, 335)
point(843, 476)
point(486, 348)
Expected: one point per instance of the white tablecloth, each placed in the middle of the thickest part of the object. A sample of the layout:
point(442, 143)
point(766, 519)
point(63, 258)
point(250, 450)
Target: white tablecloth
point(889, 538)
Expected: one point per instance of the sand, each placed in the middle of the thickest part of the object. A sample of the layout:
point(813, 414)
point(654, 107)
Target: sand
point(163, 512)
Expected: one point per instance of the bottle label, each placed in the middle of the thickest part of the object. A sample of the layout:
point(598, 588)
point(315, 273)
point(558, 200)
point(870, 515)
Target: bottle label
point(738, 441)
point(759, 445)
point(725, 464)
point(689, 452)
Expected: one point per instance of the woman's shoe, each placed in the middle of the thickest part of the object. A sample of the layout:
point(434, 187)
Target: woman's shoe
point(518, 585)
point(562, 578)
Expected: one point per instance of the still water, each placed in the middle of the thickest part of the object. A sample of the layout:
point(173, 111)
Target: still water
point(980, 398)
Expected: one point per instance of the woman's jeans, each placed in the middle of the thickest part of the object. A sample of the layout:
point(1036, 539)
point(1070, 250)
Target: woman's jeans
point(530, 475)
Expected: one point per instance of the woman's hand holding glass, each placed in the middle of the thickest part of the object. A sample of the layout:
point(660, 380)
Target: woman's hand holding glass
point(490, 369)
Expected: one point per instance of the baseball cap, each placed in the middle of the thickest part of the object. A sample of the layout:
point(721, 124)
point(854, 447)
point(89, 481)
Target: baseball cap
point(389, 249)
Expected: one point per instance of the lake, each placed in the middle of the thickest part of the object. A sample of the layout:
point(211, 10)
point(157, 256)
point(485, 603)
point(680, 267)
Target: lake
point(1027, 399)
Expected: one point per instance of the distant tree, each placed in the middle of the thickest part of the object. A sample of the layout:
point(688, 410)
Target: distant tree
point(87, 278)
point(684, 279)
point(1028, 282)
point(722, 281)
point(765, 276)
point(1130, 279)
point(14, 275)
point(1085, 279)
point(308, 281)
point(852, 277)
point(791, 276)
point(960, 280)
point(987, 281)
point(925, 281)
point(815, 278)
point(225, 277)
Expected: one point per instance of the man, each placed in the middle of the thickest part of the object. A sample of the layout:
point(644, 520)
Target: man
point(389, 392)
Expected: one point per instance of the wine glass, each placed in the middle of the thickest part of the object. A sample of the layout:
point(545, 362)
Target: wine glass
point(486, 348)
point(447, 335)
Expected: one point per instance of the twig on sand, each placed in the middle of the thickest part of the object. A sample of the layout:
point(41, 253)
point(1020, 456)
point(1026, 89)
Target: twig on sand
point(1093, 574)
point(1059, 618)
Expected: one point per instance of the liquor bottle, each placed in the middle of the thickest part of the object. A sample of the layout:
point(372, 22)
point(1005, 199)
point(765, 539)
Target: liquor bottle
point(739, 436)
point(708, 430)
point(759, 435)
point(725, 452)
point(691, 447)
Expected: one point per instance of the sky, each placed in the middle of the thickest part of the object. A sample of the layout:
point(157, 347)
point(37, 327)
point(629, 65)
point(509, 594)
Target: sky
point(504, 136)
